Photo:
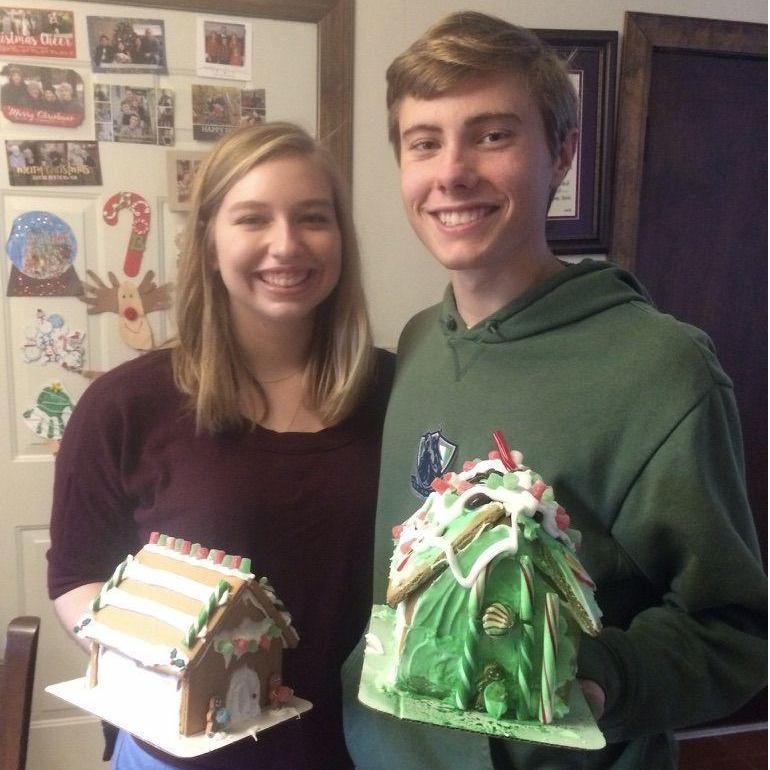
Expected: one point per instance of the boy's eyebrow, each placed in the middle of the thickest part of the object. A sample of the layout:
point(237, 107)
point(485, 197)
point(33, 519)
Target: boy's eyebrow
point(474, 120)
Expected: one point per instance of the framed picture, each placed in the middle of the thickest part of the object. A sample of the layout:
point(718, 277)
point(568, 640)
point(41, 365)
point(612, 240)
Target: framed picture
point(334, 74)
point(579, 217)
point(180, 172)
point(223, 48)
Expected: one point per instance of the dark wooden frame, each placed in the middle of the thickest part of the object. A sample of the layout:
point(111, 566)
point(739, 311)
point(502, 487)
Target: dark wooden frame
point(643, 34)
point(334, 20)
point(589, 232)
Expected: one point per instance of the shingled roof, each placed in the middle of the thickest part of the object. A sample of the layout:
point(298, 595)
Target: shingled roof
point(164, 606)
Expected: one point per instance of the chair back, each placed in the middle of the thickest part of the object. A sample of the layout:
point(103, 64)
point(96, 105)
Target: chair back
point(17, 675)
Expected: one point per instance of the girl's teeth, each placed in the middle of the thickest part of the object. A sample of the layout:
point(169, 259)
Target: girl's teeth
point(284, 280)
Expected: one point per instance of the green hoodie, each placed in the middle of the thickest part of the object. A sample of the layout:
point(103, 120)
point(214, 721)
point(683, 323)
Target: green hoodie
point(628, 414)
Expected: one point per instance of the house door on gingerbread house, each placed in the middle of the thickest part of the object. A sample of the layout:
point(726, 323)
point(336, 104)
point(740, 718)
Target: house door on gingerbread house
point(242, 701)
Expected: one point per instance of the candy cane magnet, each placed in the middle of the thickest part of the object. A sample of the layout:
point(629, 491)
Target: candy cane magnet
point(140, 226)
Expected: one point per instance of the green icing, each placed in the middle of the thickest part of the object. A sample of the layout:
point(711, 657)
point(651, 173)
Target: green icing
point(433, 645)
point(449, 498)
point(496, 699)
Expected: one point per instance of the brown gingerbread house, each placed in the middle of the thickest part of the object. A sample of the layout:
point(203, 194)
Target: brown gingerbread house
point(178, 627)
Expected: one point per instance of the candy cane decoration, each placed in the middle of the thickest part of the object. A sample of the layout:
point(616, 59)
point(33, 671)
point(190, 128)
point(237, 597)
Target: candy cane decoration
point(140, 226)
point(527, 637)
point(464, 689)
point(117, 576)
point(550, 648)
point(217, 597)
point(505, 453)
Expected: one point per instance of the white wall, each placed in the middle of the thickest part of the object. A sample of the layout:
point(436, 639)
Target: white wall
point(400, 275)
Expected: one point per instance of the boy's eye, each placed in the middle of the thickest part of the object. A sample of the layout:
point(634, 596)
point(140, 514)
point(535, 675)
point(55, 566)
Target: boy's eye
point(423, 145)
point(494, 137)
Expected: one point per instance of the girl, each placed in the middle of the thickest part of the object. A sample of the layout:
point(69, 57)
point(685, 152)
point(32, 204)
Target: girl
point(256, 432)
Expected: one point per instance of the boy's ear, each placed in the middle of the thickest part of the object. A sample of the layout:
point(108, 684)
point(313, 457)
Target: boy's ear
point(564, 157)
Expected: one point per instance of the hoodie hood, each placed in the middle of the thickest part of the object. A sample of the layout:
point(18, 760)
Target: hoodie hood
point(575, 293)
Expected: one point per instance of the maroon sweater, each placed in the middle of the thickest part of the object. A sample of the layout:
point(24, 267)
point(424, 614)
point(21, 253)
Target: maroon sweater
point(300, 505)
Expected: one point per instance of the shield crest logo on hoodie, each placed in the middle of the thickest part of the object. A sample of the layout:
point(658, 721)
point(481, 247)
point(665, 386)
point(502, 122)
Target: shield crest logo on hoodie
point(434, 453)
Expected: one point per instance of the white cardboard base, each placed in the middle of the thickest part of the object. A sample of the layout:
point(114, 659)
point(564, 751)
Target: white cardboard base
point(578, 730)
point(96, 702)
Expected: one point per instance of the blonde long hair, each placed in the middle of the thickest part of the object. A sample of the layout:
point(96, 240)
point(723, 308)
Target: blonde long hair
point(207, 361)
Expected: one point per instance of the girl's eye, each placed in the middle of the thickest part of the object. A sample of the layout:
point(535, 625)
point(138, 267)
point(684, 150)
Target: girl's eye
point(251, 221)
point(316, 219)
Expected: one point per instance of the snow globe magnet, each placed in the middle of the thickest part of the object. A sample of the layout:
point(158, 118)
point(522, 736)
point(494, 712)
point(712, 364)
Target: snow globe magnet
point(42, 248)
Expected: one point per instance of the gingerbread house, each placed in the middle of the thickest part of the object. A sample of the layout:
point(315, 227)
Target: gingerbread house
point(179, 628)
point(478, 577)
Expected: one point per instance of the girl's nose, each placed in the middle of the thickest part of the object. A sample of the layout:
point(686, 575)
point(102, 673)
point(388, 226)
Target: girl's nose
point(284, 239)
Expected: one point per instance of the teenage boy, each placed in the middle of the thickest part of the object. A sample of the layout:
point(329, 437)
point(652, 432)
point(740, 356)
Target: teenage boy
point(625, 410)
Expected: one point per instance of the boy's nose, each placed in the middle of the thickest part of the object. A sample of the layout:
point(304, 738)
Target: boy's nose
point(457, 169)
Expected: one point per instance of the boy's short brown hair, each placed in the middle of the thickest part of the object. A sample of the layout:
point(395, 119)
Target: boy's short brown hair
point(468, 44)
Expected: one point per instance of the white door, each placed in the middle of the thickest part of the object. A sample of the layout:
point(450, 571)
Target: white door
point(34, 382)
point(243, 695)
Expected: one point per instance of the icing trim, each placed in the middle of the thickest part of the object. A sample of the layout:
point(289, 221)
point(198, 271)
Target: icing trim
point(153, 576)
point(123, 600)
point(508, 544)
point(193, 561)
point(143, 652)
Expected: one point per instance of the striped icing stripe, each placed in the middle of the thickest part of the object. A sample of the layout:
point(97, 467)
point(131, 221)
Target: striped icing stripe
point(116, 597)
point(163, 579)
point(144, 652)
point(193, 561)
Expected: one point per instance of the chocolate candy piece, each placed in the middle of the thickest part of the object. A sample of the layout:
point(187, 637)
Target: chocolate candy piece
point(477, 500)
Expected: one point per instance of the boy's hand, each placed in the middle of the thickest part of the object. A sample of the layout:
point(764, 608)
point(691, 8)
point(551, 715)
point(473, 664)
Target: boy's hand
point(594, 696)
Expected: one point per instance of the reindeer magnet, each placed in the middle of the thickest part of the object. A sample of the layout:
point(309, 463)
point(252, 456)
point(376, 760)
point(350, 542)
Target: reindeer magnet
point(130, 302)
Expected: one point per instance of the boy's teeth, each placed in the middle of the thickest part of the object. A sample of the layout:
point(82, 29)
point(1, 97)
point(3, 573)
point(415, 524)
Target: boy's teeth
point(451, 218)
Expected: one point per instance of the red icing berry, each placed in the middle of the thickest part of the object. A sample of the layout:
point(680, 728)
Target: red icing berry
point(264, 642)
point(562, 519)
point(439, 485)
point(469, 465)
point(397, 530)
point(406, 546)
point(241, 644)
point(537, 489)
